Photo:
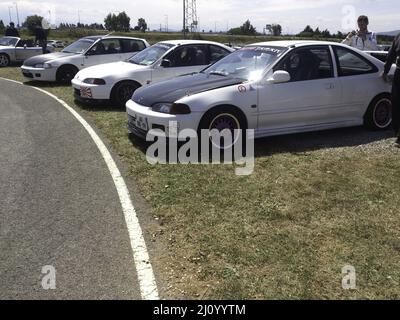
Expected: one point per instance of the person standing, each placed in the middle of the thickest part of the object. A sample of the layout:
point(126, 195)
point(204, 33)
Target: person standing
point(41, 38)
point(11, 31)
point(394, 57)
point(362, 39)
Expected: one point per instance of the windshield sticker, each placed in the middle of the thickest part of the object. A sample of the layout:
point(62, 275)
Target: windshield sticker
point(264, 49)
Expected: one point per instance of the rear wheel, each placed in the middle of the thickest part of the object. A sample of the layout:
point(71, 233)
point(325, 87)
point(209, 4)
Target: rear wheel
point(65, 74)
point(122, 92)
point(379, 113)
point(4, 60)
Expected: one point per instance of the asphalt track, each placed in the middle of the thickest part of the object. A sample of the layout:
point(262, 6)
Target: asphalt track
point(58, 206)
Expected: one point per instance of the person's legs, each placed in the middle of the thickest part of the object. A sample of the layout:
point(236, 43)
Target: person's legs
point(396, 103)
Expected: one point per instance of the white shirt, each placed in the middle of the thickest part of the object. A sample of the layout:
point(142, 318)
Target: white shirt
point(370, 43)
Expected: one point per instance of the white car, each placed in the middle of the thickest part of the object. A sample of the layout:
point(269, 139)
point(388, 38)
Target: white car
point(164, 60)
point(86, 52)
point(56, 43)
point(274, 88)
point(14, 49)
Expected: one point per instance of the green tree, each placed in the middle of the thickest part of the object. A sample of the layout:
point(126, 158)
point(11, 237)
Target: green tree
point(32, 22)
point(308, 32)
point(120, 22)
point(276, 30)
point(142, 25)
point(248, 29)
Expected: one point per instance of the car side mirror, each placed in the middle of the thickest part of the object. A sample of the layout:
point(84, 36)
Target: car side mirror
point(165, 63)
point(279, 76)
point(25, 46)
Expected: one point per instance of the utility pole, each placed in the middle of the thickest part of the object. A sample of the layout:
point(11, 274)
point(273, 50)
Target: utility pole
point(9, 13)
point(16, 8)
point(184, 19)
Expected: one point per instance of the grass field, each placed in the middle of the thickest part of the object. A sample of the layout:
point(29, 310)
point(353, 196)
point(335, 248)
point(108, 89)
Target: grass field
point(315, 203)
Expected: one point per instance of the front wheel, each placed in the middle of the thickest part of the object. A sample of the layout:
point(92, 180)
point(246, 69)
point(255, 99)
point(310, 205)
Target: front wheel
point(65, 74)
point(4, 60)
point(122, 92)
point(379, 113)
point(221, 119)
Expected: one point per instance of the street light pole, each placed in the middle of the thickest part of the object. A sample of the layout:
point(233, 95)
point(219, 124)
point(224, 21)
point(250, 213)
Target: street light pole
point(16, 8)
point(9, 13)
point(184, 20)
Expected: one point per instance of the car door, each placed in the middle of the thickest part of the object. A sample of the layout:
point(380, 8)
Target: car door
point(357, 76)
point(308, 99)
point(130, 47)
point(25, 49)
point(183, 60)
point(104, 51)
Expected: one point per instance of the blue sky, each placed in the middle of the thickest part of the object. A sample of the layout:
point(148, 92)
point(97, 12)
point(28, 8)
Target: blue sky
point(293, 15)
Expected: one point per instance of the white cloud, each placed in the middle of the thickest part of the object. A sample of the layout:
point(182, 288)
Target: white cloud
point(292, 14)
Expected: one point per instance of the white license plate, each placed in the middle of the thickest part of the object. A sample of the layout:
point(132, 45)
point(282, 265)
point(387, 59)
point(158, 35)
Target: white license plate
point(140, 122)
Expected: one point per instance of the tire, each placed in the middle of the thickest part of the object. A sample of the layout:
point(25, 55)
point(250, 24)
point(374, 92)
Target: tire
point(4, 60)
point(220, 119)
point(65, 74)
point(122, 92)
point(379, 113)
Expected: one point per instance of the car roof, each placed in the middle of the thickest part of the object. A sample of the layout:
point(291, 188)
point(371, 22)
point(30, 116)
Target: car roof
point(294, 43)
point(182, 42)
point(111, 36)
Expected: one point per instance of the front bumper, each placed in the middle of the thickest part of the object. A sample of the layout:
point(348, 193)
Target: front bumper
point(143, 122)
point(39, 74)
point(85, 91)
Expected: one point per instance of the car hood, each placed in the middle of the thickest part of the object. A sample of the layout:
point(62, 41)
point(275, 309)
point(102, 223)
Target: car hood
point(103, 71)
point(46, 58)
point(175, 89)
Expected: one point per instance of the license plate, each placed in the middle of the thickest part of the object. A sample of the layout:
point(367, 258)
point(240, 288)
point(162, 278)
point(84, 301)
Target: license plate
point(140, 122)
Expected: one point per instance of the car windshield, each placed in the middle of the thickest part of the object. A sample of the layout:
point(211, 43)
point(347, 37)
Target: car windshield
point(150, 55)
point(7, 41)
point(248, 63)
point(79, 46)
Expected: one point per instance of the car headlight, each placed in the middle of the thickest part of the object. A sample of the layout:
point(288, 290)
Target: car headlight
point(94, 81)
point(171, 108)
point(43, 66)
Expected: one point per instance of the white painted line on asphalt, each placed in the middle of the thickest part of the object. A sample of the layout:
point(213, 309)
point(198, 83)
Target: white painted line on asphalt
point(144, 269)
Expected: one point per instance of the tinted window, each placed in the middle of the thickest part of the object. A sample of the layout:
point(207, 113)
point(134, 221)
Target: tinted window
point(217, 53)
point(128, 45)
point(185, 56)
point(351, 64)
point(107, 46)
point(308, 64)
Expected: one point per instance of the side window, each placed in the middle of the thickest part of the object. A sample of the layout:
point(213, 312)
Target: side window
point(128, 45)
point(187, 56)
point(351, 64)
point(107, 46)
point(308, 64)
point(217, 53)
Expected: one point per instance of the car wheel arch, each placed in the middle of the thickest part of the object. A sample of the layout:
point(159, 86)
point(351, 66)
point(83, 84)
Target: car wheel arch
point(63, 67)
point(115, 86)
point(223, 107)
point(368, 116)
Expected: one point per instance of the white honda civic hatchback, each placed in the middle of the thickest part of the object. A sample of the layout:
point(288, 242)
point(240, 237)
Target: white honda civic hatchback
point(164, 60)
point(274, 88)
point(86, 52)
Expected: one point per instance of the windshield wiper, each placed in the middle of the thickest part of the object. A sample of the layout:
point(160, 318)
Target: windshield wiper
point(218, 73)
